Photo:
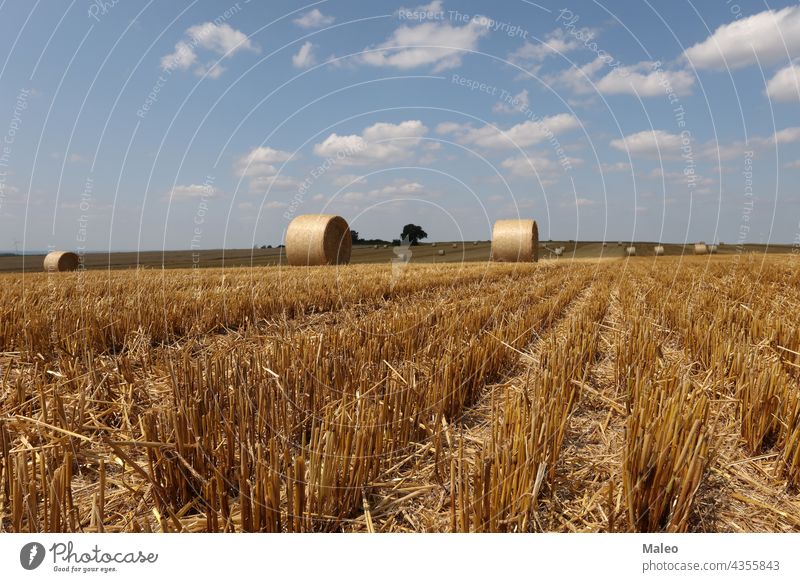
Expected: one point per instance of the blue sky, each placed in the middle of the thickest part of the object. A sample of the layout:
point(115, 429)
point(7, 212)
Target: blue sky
point(203, 124)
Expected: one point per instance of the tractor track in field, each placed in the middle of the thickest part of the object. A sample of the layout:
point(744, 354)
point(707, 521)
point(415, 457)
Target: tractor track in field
point(420, 500)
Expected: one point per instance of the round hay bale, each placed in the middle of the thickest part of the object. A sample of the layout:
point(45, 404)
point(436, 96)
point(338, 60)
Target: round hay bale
point(318, 239)
point(454, 245)
point(515, 241)
point(433, 244)
point(474, 243)
point(700, 248)
point(386, 246)
point(658, 250)
point(630, 251)
point(559, 251)
point(712, 249)
point(61, 261)
point(374, 246)
point(440, 252)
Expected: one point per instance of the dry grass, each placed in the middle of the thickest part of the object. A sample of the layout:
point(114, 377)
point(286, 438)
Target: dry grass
point(563, 396)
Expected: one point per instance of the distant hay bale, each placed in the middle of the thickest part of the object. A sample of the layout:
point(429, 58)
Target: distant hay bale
point(515, 241)
point(440, 252)
point(61, 261)
point(474, 243)
point(712, 249)
point(374, 246)
point(630, 251)
point(658, 250)
point(318, 239)
point(433, 244)
point(454, 245)
point(700, 248)
point(386, 246)
point(559, 251)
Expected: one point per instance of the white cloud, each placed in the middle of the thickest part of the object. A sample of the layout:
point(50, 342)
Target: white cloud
point(220, 39)
point(304, 57)
point(261, 184)
point(521, 135)
point(556, 42)
point(193, 192)
point(431, 43)
point(259, 162)
point(650, 143)
point(579, 202)
point(616, 167)
point(764, 38)
point(314, 19)
point(643, 80)
point(274, 204)
point(785, 85)
point(384, 143)
point(183, 58)
point(349, 180)
point(518, 103)
point(793, 165)
point(400, 188)
point(530, 166)
point(212, 69)
point(713, 150)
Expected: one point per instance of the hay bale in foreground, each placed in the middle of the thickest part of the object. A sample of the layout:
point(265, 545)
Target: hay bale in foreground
point(658, 250)
point(700, 248)
point(61, 261)
point(318, 239)
point(630, 251)
point(515, 241)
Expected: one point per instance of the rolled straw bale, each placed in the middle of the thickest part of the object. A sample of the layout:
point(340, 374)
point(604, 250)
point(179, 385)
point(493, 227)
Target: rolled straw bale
point(374, 246)
point(440, 252)
point(61, 261)
point(559, 251)
point(700, 248)
point(318, 239)
point(515, 241)
point(474, 243)
point(712, 249)
point(630, 251)
point(658, 250)
point(386, 246)
point(433, 244)
point(454, 245)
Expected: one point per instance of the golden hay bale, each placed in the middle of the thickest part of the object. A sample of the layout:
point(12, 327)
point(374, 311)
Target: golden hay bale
point(658, 250)
point(454, 245)
point(433, 244)
point(318, 239)
point(630, 251)
point(440, 252)
point(559, 251)
point(61, 261)
point(700, 248)
point(515, 241)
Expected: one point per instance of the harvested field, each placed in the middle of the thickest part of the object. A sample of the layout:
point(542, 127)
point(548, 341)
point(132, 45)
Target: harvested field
point(572, 396)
